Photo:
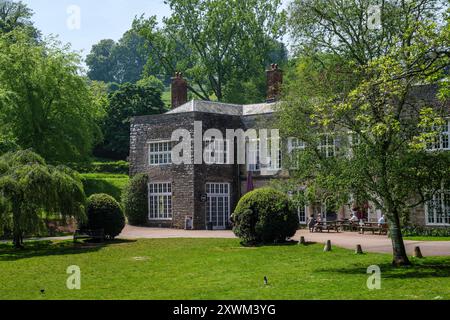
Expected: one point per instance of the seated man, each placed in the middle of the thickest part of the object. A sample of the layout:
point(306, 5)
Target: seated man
point(311, 223)
point(381, 221)
point(319, 225)
point(353, 219)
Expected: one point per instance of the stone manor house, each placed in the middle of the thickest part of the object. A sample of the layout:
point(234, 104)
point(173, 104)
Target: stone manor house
point(203, 196)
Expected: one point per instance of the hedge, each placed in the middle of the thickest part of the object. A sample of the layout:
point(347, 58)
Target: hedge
point(117, 167)
point(135, 200)
point(111, 184)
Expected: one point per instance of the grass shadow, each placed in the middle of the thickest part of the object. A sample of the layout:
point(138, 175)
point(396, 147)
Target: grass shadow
point(49, 248)
point(426, 268)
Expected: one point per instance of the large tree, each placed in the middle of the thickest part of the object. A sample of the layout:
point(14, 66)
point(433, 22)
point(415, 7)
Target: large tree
point(120, 62)
point(215, 41)
point(367, 102)
point(31, 191)
point(128, 101)
point(45, 103)
point(15, 15)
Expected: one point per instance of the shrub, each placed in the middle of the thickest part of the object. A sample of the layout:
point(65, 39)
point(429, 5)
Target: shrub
point(135, 200)
point(104, 212)
point(419, 231)
point(264, 216)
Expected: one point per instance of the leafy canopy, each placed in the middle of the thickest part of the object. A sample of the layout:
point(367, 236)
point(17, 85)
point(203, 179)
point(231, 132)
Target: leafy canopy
point(215, 42)
point(45, 103)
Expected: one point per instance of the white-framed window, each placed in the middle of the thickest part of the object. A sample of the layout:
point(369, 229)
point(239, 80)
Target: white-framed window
point(295, 146)
point(216, 151)
point(159, 153)
point(302, 215)
point(277, 164)
point(253, 160)
point(160, 201)
point(327, 146)
point(438, 209)
point(354, 139)
point(442, 141)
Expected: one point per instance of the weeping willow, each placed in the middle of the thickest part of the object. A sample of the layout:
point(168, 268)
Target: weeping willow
point(31, 190)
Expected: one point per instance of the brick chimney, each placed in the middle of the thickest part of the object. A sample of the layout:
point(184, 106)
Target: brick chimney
point(179, 90)
point(274, 82)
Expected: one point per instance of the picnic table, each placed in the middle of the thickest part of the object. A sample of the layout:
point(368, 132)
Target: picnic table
point(374, 228)
point(328, 226)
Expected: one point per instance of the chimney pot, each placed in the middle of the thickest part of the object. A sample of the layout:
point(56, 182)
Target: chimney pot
point(274, 82)
point(179, 90)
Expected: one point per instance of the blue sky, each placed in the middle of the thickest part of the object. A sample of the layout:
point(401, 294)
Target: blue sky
point(99, 19)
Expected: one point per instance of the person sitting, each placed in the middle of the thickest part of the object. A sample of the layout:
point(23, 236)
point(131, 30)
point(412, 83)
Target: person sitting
point(353, 219)
point(381, 221)
point(311, 223)
point(318, 226)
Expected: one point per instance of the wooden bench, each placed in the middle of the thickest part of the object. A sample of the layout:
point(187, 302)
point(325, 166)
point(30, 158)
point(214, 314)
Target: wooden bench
point(89, 234)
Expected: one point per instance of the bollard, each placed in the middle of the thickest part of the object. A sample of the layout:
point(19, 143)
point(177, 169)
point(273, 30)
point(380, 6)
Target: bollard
point(302, 241)
point(418, 253)
point(359, 249)
point(327, 246)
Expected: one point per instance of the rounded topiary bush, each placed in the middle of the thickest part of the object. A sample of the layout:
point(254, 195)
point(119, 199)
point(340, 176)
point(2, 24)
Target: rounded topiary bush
point(104, 212)
point(135, 200)
point(264, 216)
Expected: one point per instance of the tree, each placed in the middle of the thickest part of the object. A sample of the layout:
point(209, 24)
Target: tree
point(15, 15)
point(119, 62)
point(99, 61)
point(128, 101)
point(31, 190)
point(214, 41)
point(360, 109)
point(46, 104)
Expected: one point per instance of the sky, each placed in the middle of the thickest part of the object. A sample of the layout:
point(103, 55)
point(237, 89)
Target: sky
point(85, 22)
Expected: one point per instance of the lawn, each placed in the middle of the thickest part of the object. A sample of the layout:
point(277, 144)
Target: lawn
point(211, 269)
point(108, 183)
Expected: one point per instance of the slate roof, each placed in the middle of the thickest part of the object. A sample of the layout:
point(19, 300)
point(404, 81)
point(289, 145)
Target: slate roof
point(224, 108)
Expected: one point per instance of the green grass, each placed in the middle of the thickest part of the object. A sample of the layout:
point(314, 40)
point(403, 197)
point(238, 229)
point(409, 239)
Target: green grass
point(212, 269)
point(108, 183)
point(426, 238)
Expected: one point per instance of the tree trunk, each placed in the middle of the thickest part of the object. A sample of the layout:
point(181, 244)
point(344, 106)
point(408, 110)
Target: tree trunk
point(18, 241)
point(400, 257)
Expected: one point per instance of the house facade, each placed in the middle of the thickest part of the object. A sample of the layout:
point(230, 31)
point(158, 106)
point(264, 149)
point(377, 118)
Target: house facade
point(202, 195)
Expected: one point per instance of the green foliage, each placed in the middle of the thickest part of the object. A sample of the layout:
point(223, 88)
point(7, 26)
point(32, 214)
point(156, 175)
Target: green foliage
point(128, 101)
point(119, 62)
point(46, 105)
point(419, 231)
point(16, 15)
point(135, 200)
point(116, 167)
point(264, 216)
point(31, 190)
point(379, 116)
point(104, 212)
point(216, 43)
point(111, 184)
